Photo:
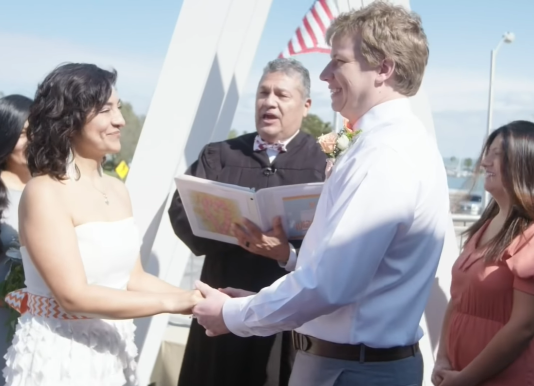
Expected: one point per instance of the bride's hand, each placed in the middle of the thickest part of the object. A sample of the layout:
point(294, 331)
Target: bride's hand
point(192, 298)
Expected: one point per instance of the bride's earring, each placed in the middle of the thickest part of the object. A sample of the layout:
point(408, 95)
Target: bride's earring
point(73, 173)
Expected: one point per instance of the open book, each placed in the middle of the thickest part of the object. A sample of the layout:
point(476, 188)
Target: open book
point(212, 207)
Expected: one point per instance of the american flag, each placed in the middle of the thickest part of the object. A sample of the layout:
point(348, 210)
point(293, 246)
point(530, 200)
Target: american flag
point(310, 36)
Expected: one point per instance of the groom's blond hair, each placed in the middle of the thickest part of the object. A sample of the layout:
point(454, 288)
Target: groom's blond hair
point(388, 32)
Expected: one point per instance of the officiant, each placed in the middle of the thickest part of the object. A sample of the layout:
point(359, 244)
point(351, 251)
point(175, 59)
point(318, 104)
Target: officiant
point(277, 154)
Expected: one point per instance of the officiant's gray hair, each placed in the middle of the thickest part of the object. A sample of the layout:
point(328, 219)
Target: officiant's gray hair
point(290, 67)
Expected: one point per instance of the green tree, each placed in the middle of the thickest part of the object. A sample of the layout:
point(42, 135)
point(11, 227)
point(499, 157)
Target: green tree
point(232, 134)
point(315, 126)
point(468, 163)
point(453, 160)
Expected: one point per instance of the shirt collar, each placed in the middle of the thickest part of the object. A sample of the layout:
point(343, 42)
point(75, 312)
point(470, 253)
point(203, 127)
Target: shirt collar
point(286, 142)
point(383, 112)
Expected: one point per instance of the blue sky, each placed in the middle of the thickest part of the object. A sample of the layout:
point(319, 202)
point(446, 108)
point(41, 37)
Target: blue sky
point(133, 36)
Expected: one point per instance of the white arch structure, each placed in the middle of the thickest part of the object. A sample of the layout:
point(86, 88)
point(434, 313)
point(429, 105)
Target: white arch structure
point(202, 78)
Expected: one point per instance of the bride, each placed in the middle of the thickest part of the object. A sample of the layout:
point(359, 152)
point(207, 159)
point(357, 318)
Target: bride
point(80, 245)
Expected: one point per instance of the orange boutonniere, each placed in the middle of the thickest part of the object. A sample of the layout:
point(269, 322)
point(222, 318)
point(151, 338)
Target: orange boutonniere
point(336, 144)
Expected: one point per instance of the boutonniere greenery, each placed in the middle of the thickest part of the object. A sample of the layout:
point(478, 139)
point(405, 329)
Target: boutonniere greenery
point(335, 145)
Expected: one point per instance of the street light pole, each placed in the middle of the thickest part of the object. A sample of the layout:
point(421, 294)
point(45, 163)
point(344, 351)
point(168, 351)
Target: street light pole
point(508, 37)
point(490, 100)
point(335, 124)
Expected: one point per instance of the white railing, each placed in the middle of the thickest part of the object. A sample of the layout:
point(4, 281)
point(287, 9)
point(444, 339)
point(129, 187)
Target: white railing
point(461, 223)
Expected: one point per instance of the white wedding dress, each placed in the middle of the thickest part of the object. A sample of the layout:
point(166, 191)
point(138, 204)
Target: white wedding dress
point(50, 351)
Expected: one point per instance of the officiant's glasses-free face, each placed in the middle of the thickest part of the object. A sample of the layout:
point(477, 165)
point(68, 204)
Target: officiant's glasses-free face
point(280, 106)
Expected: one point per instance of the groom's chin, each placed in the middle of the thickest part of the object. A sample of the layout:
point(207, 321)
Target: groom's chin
point(335, 104)
point(335, 107)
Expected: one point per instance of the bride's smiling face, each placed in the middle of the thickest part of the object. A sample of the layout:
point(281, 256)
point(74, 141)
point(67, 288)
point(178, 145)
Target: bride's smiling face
point(102, 132)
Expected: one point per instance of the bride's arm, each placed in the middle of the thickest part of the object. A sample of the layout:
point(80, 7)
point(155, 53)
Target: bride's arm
point(145, 282)
point(47, 232)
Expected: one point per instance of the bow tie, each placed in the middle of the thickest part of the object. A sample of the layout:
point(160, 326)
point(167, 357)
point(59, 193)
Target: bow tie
point(260, 144)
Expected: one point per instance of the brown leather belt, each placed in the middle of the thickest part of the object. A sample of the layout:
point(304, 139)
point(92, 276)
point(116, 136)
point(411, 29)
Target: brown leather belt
point(351, 352)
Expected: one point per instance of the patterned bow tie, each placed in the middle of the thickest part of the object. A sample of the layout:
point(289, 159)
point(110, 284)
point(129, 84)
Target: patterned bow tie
point(260, 144)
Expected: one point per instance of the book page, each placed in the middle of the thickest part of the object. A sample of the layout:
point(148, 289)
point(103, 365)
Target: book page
point(296, 205)
point(212, 207)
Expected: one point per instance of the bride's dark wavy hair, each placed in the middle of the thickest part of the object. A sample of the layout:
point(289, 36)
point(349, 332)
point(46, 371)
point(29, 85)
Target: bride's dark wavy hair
point(65, 101)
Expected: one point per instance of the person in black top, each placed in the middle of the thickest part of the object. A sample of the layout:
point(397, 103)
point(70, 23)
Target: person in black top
point(278, 154)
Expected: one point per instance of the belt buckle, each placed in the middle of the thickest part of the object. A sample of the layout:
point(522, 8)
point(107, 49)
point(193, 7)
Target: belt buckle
point(300, 341)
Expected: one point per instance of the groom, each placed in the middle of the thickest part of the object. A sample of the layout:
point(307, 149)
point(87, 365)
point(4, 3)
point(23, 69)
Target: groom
point(367, 264)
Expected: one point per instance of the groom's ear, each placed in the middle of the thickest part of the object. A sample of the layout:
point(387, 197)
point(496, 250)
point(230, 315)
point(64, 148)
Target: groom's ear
point(386, 70)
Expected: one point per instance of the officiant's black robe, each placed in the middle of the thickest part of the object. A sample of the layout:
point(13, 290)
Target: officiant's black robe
point(230, 360)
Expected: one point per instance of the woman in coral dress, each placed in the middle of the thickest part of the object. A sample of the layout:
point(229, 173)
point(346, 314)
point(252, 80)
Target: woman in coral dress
point(79, 244)
point(489, 324)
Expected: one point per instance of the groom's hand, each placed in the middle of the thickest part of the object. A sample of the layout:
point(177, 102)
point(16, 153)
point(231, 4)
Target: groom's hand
point(273, 244)
point(209, 311)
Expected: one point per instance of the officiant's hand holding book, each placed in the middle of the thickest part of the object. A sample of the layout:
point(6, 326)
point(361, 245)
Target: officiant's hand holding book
point(212, 207)
point(273, 244)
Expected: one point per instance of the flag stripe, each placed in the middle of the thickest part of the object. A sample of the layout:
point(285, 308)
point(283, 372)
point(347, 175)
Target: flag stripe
point(310, 35)
point(317, 19)
point(323, 15)
point(326, 8)
point(300, 38)
point(295, 44)
point(316, 32)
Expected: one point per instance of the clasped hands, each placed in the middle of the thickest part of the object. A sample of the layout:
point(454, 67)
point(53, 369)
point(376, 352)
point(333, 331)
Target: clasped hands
point(209, 310)
point(444, 375)
point(273, 244)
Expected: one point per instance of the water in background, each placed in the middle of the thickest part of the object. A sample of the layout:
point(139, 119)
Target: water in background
point(466, 183)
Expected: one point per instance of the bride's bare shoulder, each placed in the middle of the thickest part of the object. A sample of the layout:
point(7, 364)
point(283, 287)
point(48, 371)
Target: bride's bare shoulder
point(43, 190)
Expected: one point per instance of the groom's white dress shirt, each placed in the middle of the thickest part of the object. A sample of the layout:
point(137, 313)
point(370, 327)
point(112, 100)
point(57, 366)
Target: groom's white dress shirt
point(367, 263)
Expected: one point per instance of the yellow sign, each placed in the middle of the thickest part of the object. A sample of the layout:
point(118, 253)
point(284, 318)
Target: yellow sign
point(122, 170)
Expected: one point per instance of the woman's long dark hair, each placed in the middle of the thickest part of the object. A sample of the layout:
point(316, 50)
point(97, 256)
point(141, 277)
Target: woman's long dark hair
point(517, 170)
point(14, 110)
point(67, 98)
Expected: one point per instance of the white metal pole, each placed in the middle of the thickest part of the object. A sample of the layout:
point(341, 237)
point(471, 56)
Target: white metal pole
point(189, 92)
point(487, 196)
point(335, 124)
